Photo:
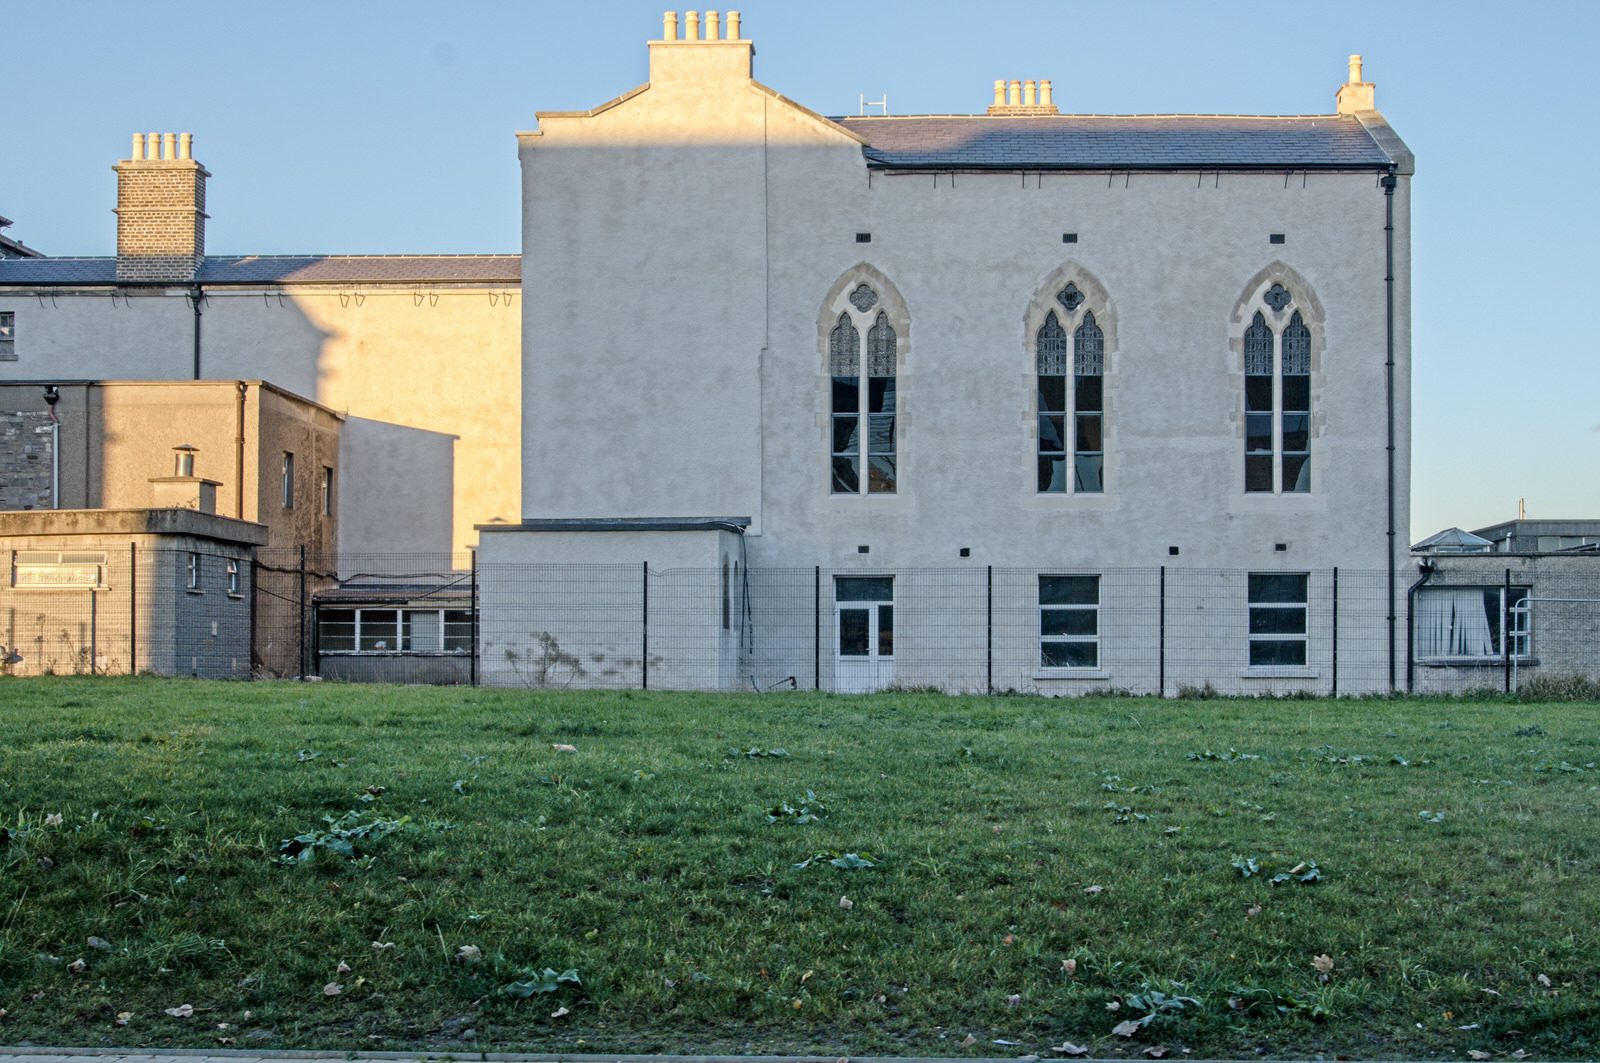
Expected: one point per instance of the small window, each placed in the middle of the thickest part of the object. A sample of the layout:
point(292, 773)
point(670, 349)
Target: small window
point(233, 577)
point(336, 630)
point(288, 480)
point(8, 335)
point(1069, 621)
point(327, 490)
point(1277, 619)
point(394, 631)
point(194, 572)
point(1465, 622)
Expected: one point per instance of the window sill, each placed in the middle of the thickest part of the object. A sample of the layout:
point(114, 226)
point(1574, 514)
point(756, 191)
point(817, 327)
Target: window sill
point(193, 590)
point(1475, 662)
point(236, 596)
point(394, 653)
point(1279, 672)
point(1072, 673)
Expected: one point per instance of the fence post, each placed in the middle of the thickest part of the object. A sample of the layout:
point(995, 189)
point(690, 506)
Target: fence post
point(474, 662)
point(255, 631)
point(644, 628)
point(300, 640)
point(1335, 630)
point(988, 649)
point(133, 608)
point(93, 622)
point(1505, 628)
point(816, 632)
point(1161, 636)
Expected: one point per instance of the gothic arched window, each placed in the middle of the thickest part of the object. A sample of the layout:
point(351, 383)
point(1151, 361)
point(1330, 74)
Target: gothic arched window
point(1277, 400)
point(855, 408)
point(1071, 404)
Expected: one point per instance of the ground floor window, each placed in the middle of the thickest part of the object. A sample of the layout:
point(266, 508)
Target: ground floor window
point(1466, 622)
point(390, 630)
point(1277, 619)
point(1069, 621)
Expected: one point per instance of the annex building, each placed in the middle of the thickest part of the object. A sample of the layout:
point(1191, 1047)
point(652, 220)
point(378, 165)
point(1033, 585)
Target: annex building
point(1015, 399)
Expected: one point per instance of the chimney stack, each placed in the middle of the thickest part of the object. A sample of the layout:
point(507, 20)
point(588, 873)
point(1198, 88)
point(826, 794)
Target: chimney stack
point(1355, 95)
point(1031, 98)
point(161, 210)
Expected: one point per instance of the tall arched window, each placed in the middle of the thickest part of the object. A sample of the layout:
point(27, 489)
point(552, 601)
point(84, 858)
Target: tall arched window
point(855, 408)
point(1277, 399)
point(1071, 404)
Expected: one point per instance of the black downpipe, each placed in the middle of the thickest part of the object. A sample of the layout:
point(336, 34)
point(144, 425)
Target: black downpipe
point(197, 296)
point(238, 448)
point(1505, 628)
point(1389, 181)
point(1411, 623)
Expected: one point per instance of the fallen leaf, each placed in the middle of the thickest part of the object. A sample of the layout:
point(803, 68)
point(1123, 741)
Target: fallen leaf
point(222, 1026)
point(1092, 890)
point(1067, 1048)
point(1013, 1000)
point(556, 1014)
point(123, 1017)
point(1113, 1005)
point(1476, 1053)
point(225, 1041)
point(248, 1015)
point(468, 954)
point(1323, 963)
point(1156, 1051)
point(77, 966)
point(1236, 1003)
point(797, 1003)
point(1544, 980)
point(1126, 1028)
point(182, 1011)
point(53, 820)
point(1009, 939)
point(997, 828)
point(806, 977)
point(376, 791)
point(332, 989)
point(100, 944)
point(382, 946)
point(969, 1040)
point(343, 968)
point(1252, 911)
point(1069, 967)
point(1003, 1041)
point(562, 747)
point(846, 903)
point(1519, 1054)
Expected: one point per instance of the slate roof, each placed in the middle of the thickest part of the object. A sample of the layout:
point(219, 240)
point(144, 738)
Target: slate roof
point(1117, 142)
point(286, 269)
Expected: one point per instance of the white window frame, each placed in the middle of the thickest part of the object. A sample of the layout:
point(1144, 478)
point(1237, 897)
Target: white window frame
point(194, 571)
point(327, 490)
point(1078, 639)
point(8, 335)
point(395, 621)
point(288, 479)
point(1303, 607)
point(233, 576)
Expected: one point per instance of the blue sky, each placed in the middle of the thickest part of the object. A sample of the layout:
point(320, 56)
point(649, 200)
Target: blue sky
point(372, 128)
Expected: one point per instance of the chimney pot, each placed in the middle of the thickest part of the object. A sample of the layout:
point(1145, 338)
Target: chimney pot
point(1014, 94)
point(713, 26)
point(183, 459)
point(152, 145)
point(138, 146)
point(669, 26)
point(1355, 70)
point(185, 145)
point(691, 29)
point(733, 25)
point(1046, 95)
point(1028, 94)
point(999, 93)
point(169, 145)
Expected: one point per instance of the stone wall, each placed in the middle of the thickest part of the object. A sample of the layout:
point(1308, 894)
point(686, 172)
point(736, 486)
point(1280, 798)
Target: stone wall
point(25, 444)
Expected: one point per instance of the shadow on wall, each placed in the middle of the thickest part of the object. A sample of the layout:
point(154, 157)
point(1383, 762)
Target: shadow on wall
point(398, 488)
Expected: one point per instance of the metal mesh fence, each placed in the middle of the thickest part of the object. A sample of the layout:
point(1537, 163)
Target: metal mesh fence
point(442, 618)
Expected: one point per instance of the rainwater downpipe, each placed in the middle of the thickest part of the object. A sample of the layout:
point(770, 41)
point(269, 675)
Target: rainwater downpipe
point(52, 395)
point(196, 296)
point(1389, 181)
point(238, 453)
point(1411, 622)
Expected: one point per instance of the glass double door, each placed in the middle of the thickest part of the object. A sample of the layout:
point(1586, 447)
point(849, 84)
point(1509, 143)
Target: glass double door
point(863, 633)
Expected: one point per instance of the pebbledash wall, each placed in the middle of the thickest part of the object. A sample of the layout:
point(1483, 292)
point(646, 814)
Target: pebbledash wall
point(747, 225)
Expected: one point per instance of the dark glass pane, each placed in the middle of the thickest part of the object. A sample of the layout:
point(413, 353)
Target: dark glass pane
point(1258, 433)
point(1052, 393)
point(1257, 393)
point(846, 394)
point(1086, 474)
point(1296, 433)
point(885, 631)
point(880, 395)
point(421, 631)
point(1277, 620)
point(1275, 652)
point(1258, 473)
point(880, 433)
point(1069, 590)
point(1297, 473)
point(863, 588)
point(1069, 654)
point(379, 631)
point(336, 630)
point(1089, 394)
point(853, 632)
point(1069, 622)
point(1297, 393)
point(844, 435)
point(880, 474)
point(846, 476)
point(1275, 588)
point(1052, 474)
point(1089, 432)
point(458, 631)
point(1052, 435)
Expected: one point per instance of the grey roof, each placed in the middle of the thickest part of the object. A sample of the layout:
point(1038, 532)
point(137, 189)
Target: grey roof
point(1453, 541)
point(286, 269)
point(1118, 142)
point(621, 524)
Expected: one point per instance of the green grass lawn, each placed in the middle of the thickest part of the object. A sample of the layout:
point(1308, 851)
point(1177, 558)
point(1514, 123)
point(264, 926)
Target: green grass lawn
point(1041, 871)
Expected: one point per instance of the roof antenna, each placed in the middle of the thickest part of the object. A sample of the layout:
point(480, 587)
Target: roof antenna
point(865, 103)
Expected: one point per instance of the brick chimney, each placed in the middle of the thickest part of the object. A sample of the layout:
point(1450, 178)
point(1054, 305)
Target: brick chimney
point(161, 210)
point(1023, 98)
